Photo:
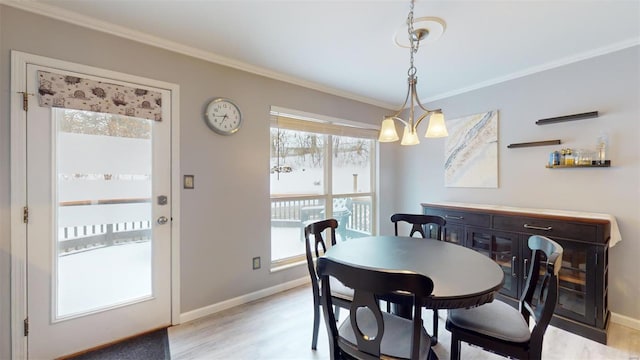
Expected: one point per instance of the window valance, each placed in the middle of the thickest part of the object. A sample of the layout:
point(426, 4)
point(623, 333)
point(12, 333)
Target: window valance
point(63, 91)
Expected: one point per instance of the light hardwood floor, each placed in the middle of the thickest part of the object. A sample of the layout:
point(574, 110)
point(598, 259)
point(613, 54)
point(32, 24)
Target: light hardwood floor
point(279, 327)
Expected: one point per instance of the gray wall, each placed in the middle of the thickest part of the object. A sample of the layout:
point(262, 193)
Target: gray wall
point(609, 84)
point(226, 218)
point(232, 182)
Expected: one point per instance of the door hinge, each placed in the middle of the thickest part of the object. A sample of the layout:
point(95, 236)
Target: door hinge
point(25, 215)
point(25, 100)
point(26, 326)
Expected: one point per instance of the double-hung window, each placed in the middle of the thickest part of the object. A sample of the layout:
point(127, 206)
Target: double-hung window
point(320, 168)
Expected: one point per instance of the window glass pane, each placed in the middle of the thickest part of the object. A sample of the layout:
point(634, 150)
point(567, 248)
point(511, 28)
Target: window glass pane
point(297, 162)
point(104, 232)
point(288, 219)
point(351, 165)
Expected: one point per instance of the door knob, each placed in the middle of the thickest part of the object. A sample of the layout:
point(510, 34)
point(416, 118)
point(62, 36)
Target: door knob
point(162, 220)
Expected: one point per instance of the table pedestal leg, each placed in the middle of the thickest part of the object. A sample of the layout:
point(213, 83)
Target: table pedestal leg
point(404, 311)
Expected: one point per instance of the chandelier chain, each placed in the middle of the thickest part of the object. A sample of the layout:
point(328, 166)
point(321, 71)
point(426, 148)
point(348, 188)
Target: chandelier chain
point(413, 43)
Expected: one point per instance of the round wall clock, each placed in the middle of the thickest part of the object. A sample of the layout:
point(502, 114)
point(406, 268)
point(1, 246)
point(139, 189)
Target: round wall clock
point(223, 116)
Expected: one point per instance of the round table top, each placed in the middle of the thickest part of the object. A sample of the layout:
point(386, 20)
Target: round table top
point(461, 277)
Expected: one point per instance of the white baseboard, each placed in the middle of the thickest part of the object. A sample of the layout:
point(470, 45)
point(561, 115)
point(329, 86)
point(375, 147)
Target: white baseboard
point(214, 308)
point(625, 321)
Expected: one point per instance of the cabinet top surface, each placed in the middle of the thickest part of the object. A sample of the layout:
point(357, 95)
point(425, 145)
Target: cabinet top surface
point(510, 210)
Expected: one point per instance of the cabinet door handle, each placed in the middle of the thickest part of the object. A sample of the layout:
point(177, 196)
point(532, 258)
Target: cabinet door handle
point(513, 266)
point(454, 217)
point(548, 228)
point(526, 269)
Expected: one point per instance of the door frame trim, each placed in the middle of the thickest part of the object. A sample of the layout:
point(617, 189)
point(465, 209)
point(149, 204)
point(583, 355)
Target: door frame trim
point(18, 252)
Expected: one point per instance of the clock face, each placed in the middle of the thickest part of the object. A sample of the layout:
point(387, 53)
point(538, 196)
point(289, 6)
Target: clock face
point(223, 116)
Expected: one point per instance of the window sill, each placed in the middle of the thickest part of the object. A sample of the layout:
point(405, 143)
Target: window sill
point(281, 267)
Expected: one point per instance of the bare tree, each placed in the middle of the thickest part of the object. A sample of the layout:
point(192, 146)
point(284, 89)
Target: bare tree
point(93, 123)
point(280, 140)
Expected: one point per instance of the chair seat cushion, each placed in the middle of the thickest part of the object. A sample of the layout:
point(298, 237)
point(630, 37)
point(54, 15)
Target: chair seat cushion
point(496, 319)
point(338, 289)
point(396, 340)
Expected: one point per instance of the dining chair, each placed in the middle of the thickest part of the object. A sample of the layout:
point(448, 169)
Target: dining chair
point(502, 329)
point(418, 223)
point(340, 294)
point(370, 333)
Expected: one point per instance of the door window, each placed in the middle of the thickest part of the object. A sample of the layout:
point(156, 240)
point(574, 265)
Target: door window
point(103, 178)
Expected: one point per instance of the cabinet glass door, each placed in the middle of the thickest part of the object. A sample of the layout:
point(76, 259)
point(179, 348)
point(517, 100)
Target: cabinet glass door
point(574, 283)
point(453, 234)
point(502, 247)
point(573, 298)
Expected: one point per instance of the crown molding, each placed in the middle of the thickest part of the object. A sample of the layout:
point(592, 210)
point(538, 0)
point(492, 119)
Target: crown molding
point(123, 32)
point(540, 68)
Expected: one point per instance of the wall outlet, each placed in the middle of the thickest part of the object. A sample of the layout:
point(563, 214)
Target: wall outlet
point(256, 263)
point(189, 181)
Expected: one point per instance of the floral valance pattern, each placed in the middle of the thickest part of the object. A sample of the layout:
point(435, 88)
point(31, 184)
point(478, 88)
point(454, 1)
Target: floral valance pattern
point(71, 92)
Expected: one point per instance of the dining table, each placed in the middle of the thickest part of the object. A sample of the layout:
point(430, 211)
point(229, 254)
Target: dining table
point(462, 277)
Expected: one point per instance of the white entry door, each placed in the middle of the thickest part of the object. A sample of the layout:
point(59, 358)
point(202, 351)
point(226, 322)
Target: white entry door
point(99, 222)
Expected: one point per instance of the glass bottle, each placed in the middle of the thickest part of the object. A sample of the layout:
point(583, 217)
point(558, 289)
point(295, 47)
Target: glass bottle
point(601, 148)
point(569, 160)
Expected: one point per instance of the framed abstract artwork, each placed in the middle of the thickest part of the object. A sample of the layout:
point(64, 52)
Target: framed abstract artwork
point(471, 151)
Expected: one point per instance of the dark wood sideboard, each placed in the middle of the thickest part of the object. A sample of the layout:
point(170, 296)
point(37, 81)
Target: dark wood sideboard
point(502, 235)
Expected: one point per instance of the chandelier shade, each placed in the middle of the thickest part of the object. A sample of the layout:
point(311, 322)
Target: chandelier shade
point(388, 131)
point(437, 127)
point(410, 137)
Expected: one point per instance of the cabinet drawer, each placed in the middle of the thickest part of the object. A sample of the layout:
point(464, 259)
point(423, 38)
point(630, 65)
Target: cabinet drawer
point(461, 217)
point(550, 228)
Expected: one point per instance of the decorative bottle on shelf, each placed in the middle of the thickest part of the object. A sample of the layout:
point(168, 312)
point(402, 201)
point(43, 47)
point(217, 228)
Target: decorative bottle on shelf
point(601, 148)
point(568, 158)
point(554, 158)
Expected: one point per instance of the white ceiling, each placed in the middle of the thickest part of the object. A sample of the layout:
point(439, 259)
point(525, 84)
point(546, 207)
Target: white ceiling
point(346, 47)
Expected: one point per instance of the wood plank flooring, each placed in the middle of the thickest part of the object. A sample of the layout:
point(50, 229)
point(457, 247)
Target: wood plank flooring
point(279, 327)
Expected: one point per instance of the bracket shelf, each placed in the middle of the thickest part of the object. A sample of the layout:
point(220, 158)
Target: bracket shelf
point(534, 143)
point(553, 120)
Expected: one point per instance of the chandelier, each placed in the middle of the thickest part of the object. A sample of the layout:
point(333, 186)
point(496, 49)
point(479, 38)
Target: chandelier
point(436, 127)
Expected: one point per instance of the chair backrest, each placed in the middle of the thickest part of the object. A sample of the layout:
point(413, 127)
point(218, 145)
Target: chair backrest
point(540, 295)
point(368, 284)
point(319, 247)
point(418, 221)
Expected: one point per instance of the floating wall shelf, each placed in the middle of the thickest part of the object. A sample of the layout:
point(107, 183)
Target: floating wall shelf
point(534, 143)
point(553, 120)
point(607, 163)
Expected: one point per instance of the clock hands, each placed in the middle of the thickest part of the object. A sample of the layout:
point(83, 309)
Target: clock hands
point(224, 117)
